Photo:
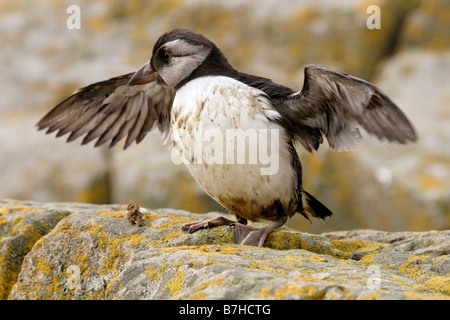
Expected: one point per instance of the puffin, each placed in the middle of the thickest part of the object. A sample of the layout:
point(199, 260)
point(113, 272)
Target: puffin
point(237, 133)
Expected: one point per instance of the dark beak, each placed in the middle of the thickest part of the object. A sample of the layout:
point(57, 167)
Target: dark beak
point(144, 75)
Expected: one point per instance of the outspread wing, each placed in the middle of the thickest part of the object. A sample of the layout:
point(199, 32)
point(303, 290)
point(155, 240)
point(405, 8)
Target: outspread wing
point(337, 105)
point(112, 110)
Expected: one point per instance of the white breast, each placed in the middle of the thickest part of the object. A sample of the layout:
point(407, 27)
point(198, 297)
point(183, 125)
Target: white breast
point(220, 130)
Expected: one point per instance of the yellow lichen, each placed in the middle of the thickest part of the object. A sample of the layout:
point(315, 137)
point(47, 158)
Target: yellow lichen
point(176, 284)
point(415, 267)
point(17, 223)
point(175, 219)
point(198, 294)
point(291, 241)
point(207, 284)
point(309, 278)
point(151, 274)
point(264, 293)
point(112, 214)
point(218, 281)
point(43, 266)
point(170, 221)
point(229, 249)
point(293, 261)
point(82, 260)
point(367, 259)
point(149, 217)
point(318, 259)
point(155, 274)
point(440, 283)
point(176, 249)
point(112, 281)
point(154, 243)
point(118, 252)
point(135, 239)
point(8, 272)
point(306, 291)
point(265, 267)
point(25, 209)
point(350, 246)
point(94, 229)
point(174, 235)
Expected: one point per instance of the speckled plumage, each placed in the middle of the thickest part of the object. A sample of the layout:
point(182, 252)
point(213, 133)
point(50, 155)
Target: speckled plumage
point(225, 104)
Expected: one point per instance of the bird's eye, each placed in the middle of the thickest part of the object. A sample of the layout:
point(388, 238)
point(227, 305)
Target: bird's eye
point(164, 55)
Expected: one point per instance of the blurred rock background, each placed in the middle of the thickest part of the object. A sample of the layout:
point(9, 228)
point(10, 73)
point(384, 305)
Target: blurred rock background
point(377, 186)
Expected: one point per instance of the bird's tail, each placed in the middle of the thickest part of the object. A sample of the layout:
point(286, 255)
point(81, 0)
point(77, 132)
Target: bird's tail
point(313, 207)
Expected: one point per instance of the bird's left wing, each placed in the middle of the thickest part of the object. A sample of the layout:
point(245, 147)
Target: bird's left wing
point(337, 105)
point(111, 110)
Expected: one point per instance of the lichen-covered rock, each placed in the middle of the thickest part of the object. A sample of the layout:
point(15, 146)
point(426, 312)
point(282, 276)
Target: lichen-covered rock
point(432, 243)
point(21, 225)
point(96, 253)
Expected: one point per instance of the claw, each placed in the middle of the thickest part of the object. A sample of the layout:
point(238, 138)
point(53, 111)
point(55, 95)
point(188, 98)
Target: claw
point(207, 224)
point(194, 226)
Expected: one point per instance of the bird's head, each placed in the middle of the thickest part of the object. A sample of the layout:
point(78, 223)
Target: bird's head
point(176, 55)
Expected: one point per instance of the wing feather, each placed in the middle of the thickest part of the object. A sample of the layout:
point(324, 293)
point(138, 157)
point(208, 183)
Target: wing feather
point(111, 110)
point(337, 105)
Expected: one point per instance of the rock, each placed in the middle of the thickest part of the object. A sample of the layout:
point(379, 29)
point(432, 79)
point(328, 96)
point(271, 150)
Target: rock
point(96, 253)
point(432, 243)
point(21, 225)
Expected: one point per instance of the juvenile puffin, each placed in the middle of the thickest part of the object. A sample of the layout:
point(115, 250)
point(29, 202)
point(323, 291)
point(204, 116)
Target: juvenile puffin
point(222, 122)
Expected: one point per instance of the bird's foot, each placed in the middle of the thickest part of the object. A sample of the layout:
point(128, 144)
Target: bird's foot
point(251, 236)
point(242, 234)
point(248, 235)
point(216, 222)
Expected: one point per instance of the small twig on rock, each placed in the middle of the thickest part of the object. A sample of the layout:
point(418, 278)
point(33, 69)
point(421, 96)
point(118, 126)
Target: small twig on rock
point(135, 215)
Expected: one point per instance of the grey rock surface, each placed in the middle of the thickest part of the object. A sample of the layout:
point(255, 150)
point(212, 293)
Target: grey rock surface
point(96, 253)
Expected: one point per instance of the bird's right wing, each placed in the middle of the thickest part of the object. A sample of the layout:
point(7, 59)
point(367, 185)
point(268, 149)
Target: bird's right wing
point(111, 110)
point(337, 105)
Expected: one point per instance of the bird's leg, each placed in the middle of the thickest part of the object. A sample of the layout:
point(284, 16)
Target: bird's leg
point(242, 234)
point(216, 222)
point(241, 231)
point(241, 220)
point(255, 237)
